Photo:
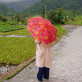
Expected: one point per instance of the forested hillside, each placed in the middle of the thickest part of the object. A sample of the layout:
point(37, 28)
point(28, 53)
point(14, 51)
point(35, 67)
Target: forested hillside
point(21, 5)
point(73, 5)
point(6, 11)
point(31, 8)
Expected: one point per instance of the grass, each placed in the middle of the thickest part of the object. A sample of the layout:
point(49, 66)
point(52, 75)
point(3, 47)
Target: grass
point(7, 28)
point(16, 50)
point(77, 21)
point(60, 30)
point(17, 32)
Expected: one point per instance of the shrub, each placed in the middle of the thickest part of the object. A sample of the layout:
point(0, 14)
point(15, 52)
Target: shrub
point(2, 18)
point(56, 16)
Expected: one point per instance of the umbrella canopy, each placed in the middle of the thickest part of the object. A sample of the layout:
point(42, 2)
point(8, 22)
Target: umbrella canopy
point(42, 29)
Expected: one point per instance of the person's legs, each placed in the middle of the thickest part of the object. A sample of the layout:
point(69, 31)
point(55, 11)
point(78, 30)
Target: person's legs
point(46, 73)
point(40, 74)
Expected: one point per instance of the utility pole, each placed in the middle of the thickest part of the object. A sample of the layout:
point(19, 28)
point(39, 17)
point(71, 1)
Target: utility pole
point(45, 11)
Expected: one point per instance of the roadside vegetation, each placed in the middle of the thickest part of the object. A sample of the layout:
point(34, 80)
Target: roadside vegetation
point(76, 21)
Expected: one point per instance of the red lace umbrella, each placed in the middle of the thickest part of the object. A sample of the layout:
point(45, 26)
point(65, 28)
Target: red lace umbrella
point(42, 29)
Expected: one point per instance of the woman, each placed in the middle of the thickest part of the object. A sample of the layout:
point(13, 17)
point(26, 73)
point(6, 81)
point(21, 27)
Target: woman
point(43, 59)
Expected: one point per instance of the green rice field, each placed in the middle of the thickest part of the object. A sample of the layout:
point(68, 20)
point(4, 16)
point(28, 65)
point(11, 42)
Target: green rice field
point(14, 50)
point(7, 28)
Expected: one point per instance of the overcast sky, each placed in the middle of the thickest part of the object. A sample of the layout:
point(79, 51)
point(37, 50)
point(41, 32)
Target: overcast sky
point(9, 1)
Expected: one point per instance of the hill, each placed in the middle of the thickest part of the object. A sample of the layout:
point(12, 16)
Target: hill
point(4, 10)
point(73, 5)
point(20, 5)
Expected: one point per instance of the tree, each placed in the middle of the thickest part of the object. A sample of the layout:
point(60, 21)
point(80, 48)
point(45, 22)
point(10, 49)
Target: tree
point(23, 21)
point(2, 18)
point(50, 15)
point(56, 16)
point(43, 13)
point(18, 18)
point(59, 16)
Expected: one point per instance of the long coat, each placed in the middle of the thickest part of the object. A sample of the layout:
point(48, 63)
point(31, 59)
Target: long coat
point(43, 54)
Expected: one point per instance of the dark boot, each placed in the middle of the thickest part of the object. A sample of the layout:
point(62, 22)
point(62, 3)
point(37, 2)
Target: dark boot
point(40, 74)
point(46, 73)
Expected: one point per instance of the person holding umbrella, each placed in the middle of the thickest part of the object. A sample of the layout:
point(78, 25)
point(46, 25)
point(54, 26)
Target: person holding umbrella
point(44, 34)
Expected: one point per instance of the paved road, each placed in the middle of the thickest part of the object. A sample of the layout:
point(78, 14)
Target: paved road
point(66, 64)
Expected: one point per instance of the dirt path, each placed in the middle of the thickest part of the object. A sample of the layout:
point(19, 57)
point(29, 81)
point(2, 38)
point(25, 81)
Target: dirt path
point(15, 36)
point(66, 64)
